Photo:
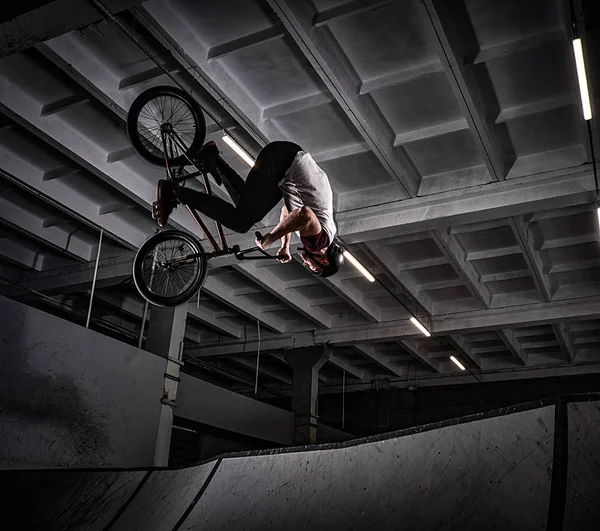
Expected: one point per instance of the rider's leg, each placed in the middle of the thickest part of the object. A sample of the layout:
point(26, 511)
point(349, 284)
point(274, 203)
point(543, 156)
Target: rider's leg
point(223, 173)
point(259, 195)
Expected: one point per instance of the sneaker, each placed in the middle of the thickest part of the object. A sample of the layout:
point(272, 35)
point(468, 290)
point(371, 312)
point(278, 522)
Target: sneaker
point(208, 157)
point(165, 203)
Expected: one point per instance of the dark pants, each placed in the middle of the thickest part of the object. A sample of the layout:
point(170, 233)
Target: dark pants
point(253, 199)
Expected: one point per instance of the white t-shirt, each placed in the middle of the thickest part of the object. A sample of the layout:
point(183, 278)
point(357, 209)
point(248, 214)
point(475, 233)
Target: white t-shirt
point(305, 184)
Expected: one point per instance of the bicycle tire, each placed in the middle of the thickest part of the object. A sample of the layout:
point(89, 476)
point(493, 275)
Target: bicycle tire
point(145, 253)
point(149, 146)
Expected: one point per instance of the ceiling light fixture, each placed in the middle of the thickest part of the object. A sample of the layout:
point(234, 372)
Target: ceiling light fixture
point(359, 266)
point(233, 145)
point(416, 322)
point(583, 85)
point(458, 363)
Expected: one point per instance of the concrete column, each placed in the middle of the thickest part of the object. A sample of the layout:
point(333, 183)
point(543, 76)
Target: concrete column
point(165, 335)
point(306, 363)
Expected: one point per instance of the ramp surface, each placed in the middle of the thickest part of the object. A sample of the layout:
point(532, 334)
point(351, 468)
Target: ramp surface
point(489, 471)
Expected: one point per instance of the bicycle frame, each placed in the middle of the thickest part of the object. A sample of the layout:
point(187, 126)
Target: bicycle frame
point(221, 249)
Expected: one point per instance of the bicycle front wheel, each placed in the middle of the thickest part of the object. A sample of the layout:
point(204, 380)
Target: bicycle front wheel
point(169, 268)
point(167, 111)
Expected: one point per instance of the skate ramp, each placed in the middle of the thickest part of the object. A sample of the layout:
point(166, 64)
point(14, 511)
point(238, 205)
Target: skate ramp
point(526, 467)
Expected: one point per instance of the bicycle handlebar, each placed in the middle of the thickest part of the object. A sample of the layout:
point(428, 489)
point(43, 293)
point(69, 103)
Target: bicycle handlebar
point(240, 255)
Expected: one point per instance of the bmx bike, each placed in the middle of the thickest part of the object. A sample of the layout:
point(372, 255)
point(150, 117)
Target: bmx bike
point(167, 128)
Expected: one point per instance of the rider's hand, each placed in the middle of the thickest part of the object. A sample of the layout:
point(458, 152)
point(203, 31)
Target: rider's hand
point(264, 242)
point(285, 255)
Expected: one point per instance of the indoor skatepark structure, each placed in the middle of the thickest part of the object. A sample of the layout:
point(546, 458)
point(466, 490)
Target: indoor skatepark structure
point(532, 466)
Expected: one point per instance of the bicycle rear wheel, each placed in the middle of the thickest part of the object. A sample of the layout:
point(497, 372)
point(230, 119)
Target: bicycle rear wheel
point(171, 111)
point(169, 268)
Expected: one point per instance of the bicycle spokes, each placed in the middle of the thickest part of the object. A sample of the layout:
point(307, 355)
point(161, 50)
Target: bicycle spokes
point(166, 115)
point(171, 268)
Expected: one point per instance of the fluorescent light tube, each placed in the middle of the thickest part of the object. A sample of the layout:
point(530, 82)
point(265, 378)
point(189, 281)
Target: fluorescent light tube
point(416, 322)
point(583, 86)
point(458, 363)
point(233, 145)
point(599, 216)
point(358, 266)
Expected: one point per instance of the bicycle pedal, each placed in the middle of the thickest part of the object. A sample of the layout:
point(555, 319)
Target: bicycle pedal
point(155, 210)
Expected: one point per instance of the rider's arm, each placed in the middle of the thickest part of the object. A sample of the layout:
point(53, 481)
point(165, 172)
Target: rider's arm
point(302, 220)
point(285, 239)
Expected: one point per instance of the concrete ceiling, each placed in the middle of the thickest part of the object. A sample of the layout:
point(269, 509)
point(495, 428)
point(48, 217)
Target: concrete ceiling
point(453, 136)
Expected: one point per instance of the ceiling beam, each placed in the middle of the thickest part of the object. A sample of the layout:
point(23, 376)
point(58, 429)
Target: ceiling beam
point(246, 41)
point(379, 359)
point(354, 7)
point(281, 358)
point(521, 228)
point(527, 109)
point(209, 318)
point(418, 300)
point(79, 277)
point(515, 46)
point(459, 260)
point(163, 21)
point(494, 374)
point(555, 190)
point(271, 373)
point(352, 296)
point(28, 27)
point(318, 46)
point(345, 365)
point(524, 195)
point(412, 347)
point(397, 78)
point(69, 53)
point(459, 323)
point(299, 104)
point(219, 290)
point(430, 131)
point(73, 203)
point(470, 352)
point(358, 302)
point(270, 282)
point(83, 150)
point(22, 255)
point(20, 215)
point(455, 39)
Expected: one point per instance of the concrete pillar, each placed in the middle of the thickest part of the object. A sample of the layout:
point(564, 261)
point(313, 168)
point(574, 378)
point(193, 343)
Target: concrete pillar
point(166, 330)
point(306, 363)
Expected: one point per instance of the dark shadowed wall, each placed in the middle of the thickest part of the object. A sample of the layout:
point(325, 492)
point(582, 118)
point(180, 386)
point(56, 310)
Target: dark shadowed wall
point(70, 397)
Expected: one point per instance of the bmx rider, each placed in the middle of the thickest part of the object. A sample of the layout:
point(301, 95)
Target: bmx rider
point(282, 170)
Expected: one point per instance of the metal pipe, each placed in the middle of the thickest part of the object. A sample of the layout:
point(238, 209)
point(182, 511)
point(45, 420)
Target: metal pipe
point(343, 398)
point(145, 314)
point(257, 360)
point(89, 315)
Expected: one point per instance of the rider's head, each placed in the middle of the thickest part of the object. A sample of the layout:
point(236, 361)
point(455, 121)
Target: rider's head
point(326, 262)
